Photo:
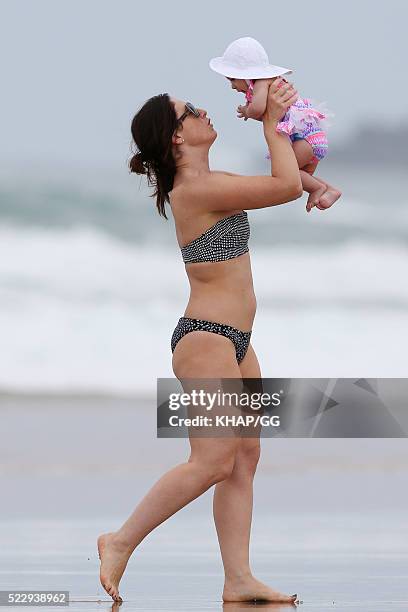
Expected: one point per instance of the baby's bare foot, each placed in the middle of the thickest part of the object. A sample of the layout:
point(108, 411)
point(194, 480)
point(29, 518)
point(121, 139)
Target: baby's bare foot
point(250, 589)
point(314, 197)
point(114, 557)
point(328, 198)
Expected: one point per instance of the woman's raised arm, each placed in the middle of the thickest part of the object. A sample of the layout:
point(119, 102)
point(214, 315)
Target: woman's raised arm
point(223, 191)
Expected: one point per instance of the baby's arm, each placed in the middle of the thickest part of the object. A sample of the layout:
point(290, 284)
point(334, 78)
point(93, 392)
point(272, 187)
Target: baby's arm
point(256, 108)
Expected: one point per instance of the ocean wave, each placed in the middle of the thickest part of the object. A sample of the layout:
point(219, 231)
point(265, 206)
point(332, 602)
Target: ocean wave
point(86, 266)
point(123, 210)
point(82, 310)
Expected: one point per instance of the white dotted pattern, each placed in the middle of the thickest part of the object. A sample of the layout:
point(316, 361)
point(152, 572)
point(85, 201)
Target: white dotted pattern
point(240, 339)
point(225, 239)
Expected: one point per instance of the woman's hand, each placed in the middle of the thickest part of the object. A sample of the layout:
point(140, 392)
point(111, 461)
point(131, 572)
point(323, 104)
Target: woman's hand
point(281, 95)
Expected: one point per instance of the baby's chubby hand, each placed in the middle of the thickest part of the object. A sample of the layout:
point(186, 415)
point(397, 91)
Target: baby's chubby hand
point(241, 112)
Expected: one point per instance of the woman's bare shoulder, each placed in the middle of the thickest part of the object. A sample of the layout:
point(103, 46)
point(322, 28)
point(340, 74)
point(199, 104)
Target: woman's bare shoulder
point(189, 187)
point(196, 194)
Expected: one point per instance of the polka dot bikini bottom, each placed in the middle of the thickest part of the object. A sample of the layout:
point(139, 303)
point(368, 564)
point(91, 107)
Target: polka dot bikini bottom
point(240, 339)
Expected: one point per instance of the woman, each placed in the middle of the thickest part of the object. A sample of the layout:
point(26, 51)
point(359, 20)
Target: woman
point(212, 340)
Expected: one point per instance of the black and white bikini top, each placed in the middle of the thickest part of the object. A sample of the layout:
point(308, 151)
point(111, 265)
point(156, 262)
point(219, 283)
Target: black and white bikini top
point(226, 239)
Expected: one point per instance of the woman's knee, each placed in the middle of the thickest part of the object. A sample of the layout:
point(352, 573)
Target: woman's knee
point(222, 471)
point(217, 467)
point(248, 455)
point(242, 461)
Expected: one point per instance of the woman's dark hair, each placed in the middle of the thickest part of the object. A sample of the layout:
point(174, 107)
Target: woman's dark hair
point(152, 129)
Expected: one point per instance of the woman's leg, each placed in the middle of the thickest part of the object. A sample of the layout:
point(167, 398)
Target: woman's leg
point(211, 461)
point(179, 486)
point(232, 505)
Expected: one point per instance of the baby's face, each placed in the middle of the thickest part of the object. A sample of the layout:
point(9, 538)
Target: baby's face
point(238, 84)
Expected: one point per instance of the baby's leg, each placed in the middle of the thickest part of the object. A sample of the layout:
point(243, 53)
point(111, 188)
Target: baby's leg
point(318, 142)
point(329, 197)
point(304, 154)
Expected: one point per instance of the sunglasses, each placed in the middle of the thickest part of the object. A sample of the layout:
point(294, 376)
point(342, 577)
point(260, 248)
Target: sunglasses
point(190, 110)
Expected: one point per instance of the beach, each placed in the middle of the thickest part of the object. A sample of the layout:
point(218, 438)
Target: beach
point(92, 285)
point(329, 514)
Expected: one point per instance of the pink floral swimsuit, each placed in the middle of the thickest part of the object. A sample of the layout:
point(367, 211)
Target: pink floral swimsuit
point(302, 121)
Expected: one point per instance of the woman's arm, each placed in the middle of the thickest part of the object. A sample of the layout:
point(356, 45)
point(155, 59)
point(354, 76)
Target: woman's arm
point(219, 191)
point(284, 164)
point(225, 192)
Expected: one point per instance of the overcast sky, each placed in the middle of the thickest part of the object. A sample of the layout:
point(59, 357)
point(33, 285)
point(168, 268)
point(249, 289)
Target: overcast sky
point(74, 72)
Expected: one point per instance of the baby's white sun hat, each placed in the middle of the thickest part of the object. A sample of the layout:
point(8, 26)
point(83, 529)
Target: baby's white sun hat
point(245, 58)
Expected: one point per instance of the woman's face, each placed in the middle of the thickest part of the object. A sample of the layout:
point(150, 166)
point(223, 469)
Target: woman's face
point(194, 130)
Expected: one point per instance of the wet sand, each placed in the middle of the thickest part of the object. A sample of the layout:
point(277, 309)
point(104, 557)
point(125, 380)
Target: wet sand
point(178, 568)
point(329, 517)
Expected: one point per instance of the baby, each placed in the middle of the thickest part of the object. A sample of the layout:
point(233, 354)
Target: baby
point(246, 65)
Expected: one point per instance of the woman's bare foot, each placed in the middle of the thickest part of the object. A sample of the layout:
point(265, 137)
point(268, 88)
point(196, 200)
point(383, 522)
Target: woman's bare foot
point(250, 589)
point(114, 557)
point(330, 196)
point(314, 197)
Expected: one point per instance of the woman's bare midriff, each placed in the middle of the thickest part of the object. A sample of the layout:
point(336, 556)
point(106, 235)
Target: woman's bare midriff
point(223, 292)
